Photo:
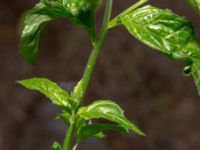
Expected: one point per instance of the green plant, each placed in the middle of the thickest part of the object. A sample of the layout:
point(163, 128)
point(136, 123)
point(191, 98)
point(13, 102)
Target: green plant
point(158, 28)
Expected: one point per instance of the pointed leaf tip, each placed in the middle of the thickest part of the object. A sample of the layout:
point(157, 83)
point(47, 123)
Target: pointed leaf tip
point(57, 95)
point(109, 110)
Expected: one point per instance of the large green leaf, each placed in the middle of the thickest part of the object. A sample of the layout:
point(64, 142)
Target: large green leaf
point(108, 110)
point(94, 129)
point(164, 31)
point(80, 12)
point(50, 89)
point(195, 4)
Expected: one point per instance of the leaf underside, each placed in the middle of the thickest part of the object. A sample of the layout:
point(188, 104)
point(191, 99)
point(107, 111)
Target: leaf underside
point(95, 129)
point(108, 110)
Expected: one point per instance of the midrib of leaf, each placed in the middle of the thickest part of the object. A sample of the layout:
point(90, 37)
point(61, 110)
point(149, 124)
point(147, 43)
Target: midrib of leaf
point(163, 38)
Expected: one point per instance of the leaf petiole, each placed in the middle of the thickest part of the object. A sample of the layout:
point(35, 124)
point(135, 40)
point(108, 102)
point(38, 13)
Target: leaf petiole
point(114, 21)
point(134, 6)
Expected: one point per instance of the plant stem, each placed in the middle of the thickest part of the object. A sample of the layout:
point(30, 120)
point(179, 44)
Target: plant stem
point(69, 135)
point(116, 19)
point(97, 47)
point(89, 69)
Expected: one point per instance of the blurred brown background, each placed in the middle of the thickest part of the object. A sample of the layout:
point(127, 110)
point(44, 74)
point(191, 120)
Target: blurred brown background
point(149, 86)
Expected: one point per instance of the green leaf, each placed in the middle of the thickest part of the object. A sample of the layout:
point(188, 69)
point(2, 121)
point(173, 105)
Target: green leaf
point(80, 12)
point(65, 117)
point(50, 89)
point(108, 110)
point(77, 93)
point(195, 4)
point(80, 122)
point(83, 12)
point(166, 32)
point(95, 129)
point(56, 146)
point(196, 73)
point(100, 135)
point(34, 24)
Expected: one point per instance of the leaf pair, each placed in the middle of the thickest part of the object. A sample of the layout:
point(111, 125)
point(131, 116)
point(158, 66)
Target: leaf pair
point(80, 12)
point(104, 109)
point(166, 32)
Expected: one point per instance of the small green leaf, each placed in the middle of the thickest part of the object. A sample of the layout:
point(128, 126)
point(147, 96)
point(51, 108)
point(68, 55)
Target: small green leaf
point(56, 146)
point(34, 24)
point(83, 12)
point(100, 135)
point(65, 117)
point(108, 110)
point(77, 93)
point(80, 122)
point(50, 89)
point(95, 129)
point(195, 4)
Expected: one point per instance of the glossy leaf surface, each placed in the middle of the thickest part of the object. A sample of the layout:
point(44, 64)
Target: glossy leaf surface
point(50, 89)
point(83, 12)
point(164, 31)
point(92, 130)
point(195, 4)
point(34, 24)
point(80, 12)
point(108, 110)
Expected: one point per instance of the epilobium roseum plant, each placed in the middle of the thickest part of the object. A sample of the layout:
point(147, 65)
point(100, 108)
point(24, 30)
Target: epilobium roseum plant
point(159, 29)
